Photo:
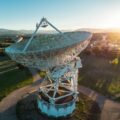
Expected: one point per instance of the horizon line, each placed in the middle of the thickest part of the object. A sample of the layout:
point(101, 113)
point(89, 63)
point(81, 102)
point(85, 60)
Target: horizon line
point(95, 28)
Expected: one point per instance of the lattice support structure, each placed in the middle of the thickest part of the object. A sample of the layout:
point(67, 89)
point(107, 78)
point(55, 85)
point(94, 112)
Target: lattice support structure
point(58, 96)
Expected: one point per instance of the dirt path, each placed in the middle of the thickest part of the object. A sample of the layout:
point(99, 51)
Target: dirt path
point(8, 104)
point(110, 109)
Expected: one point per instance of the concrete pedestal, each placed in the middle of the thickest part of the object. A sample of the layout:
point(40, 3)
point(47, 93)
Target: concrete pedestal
point(56, 110)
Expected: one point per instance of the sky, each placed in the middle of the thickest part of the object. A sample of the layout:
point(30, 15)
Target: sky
point(64, 14)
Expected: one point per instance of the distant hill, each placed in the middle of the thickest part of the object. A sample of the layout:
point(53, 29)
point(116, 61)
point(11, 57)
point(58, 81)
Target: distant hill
point(93, 30)
point(6, 32)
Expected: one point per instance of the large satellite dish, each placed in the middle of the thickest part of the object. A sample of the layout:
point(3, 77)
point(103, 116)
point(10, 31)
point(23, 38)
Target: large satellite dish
point(57, 55)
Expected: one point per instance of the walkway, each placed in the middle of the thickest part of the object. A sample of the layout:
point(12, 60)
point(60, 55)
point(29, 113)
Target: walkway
point(110, 109)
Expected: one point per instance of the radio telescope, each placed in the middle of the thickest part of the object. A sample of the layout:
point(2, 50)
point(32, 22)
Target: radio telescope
point(57, 55)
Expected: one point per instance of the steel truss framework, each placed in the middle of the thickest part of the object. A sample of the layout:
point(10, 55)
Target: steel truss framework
point(62, 80)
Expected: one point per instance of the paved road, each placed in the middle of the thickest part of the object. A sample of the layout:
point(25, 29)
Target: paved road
point(110, 109)
point(8, 104)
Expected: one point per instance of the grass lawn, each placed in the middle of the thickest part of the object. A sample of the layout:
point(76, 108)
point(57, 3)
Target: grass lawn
point(99, 74)
point(12, 77)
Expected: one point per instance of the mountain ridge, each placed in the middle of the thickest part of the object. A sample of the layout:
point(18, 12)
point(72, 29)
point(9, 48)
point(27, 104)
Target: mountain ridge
point(8, 32)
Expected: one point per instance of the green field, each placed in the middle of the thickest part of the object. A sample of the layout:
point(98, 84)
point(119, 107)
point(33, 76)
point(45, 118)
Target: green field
point(98, 73)
point(11, 77)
